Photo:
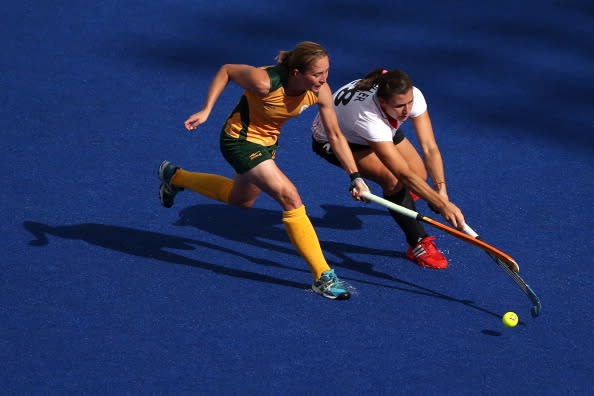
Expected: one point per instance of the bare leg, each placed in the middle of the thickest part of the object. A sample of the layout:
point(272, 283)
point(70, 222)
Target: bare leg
point(265, 177)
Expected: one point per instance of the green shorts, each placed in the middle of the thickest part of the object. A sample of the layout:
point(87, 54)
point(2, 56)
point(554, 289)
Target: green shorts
point(243, 155)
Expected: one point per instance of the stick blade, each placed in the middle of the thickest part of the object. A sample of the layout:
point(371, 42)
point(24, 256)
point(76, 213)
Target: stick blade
point(535, 310)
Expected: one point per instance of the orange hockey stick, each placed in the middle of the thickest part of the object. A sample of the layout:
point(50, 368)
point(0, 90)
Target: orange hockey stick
point(510, 262)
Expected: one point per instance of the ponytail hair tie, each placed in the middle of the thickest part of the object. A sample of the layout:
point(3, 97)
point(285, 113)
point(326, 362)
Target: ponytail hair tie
point(384, 71)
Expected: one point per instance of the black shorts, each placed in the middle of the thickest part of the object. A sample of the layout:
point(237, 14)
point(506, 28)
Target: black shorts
point(325, 151)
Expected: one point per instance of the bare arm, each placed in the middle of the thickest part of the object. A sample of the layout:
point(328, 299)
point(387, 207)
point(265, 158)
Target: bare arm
point(337, 141)
point(247, 77)
point(431, 154)
point(394, 161)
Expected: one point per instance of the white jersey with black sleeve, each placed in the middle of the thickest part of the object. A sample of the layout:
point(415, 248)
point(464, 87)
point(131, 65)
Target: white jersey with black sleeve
point(361, 118)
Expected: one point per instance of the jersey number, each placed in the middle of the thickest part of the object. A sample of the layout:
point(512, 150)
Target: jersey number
point(344, 96)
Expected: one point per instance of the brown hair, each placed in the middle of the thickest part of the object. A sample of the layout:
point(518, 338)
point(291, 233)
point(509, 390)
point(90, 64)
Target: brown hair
point(302, 56)
point(388, 83)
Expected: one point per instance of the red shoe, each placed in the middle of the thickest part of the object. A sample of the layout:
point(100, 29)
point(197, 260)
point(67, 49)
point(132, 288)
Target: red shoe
point(426, 254)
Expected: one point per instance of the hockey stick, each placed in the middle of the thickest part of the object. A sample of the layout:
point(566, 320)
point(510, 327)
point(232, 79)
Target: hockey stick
point(506, 263)
point(536, 306)
point(510, 262)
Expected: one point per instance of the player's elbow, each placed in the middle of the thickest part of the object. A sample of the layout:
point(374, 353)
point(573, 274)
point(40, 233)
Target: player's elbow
point(333, 135)
point(430, 151)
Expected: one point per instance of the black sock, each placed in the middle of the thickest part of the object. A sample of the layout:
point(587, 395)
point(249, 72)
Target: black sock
point(412, 228)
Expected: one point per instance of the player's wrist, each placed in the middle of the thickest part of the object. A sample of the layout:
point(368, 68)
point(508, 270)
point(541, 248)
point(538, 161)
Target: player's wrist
point(357, 182)
point(440, 187)
point(354, 176)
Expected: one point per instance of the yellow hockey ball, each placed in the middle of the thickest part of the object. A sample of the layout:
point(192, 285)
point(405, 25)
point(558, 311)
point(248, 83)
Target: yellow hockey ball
point(510, 319)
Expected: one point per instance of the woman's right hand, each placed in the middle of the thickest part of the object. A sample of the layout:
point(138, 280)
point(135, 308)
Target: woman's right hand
point(358, 187)
point(196, 119)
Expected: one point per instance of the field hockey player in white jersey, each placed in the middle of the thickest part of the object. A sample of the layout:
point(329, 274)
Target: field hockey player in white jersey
point(370, 112)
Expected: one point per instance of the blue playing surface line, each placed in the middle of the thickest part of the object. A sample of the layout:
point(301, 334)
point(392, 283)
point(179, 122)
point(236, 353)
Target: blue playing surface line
point(106, 292)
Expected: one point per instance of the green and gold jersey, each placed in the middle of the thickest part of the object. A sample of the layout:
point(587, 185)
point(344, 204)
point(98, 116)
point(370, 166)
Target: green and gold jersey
point(259, 120)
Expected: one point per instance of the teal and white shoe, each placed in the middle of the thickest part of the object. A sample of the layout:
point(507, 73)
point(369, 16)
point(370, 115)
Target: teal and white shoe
point(167, 190)
point(330, 286)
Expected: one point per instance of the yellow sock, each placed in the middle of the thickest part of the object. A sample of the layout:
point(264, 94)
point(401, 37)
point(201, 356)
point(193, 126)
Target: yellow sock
point(304, 238)
point(211, 186)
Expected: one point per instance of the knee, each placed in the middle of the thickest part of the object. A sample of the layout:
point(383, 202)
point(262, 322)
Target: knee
point(289, 199)
point(390, 184)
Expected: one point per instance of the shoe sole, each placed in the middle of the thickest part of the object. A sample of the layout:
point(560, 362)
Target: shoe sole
point(343, 296)
point(164, 185)
point(166, 205)
point(161, 170)
point(426, 266)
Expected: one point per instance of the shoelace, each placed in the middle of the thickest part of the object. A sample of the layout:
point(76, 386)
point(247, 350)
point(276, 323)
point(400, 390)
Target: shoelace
point(331, 282)
point(428, 244)
point(424, 246)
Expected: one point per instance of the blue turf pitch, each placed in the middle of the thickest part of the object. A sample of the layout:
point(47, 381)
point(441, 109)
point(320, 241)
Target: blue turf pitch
point(105, 292)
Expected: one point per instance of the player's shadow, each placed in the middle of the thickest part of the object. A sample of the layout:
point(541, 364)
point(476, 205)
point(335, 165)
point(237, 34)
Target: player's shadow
point(150, 245)
point(257, 227)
